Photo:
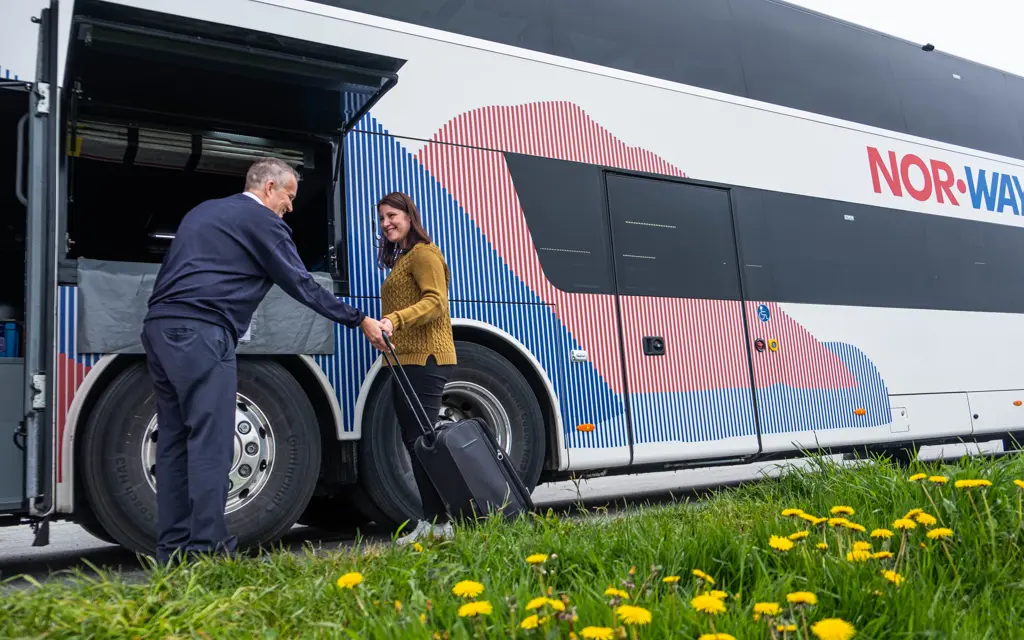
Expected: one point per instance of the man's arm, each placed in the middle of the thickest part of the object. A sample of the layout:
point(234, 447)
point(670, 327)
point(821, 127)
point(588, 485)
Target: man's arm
point(287, 271)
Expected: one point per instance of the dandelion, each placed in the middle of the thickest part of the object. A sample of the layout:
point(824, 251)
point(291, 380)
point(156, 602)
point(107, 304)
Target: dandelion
point(417, 547)
point(769, 609)
point(912, 513)
point(350, 580)
point(532, 622)
point(842, 510)
point(837, 522)
point(881, 533)
point(799, 535)
point(631, 615)
point(917, 476)
point(708, 604)
point(972, 484)
point(882, 555)
point(597, 633)
point(786, 628)
point(858, 556)
point(853, 526)
point(717, 636)
point(788, 513)
point(423, 618)
point(904, 524)
point(861, 546)
point(823, 546)
point(700, 575)
point(468, 589)
point(721, 595)
point(537, 558)
point(815, 520)
point(802, 598)
point(1019, 483)
point(474, 609)
point(780, 544)
point(1020, 514)
point(833, 629)
point(616, 593)
point(926, 519)
point(893, 577)
point(670, 579)
point(938, 479)
point(937, 534)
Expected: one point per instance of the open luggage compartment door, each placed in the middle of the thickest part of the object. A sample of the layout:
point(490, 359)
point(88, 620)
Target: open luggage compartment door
point(320, 89)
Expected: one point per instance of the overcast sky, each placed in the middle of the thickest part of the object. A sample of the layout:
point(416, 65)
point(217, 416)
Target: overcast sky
point(986, 31)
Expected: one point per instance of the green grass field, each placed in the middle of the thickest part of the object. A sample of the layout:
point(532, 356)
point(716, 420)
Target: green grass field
point(968, 585)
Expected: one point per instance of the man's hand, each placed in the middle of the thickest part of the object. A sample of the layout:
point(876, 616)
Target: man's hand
point(372, 330)
point(387, 327)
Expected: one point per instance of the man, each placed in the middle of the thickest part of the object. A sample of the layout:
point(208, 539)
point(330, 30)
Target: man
point(225, 256)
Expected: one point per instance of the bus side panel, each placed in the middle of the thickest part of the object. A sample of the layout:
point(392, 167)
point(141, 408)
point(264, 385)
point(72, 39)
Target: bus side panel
point(469, 206)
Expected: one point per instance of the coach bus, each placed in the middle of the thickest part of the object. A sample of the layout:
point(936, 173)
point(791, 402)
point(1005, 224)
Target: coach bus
point(699, 232)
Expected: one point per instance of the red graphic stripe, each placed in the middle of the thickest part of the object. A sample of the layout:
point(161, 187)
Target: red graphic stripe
point(70, 375)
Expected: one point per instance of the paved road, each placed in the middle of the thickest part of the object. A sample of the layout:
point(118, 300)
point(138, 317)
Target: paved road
point(71, 547)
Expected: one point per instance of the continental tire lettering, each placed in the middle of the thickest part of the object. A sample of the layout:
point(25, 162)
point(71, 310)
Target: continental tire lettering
point(282, 493)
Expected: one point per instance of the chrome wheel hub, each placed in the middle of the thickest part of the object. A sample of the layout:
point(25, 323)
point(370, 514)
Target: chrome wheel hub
point(252, 460)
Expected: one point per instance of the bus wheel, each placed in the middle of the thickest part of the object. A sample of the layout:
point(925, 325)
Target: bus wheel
point(483, 384)
point(273, 472)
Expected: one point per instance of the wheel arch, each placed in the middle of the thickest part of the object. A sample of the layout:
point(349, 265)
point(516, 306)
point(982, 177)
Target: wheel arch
point(514, 351)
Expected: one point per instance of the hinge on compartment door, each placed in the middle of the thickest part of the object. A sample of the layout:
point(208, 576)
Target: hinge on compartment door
point(43, 105)
point(39, 391)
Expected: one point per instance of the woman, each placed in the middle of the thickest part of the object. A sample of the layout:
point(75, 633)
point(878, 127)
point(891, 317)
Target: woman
point(414, 302)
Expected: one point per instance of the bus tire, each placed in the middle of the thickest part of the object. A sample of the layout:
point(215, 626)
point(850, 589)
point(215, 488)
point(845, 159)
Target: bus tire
point(384, 470)
point(115, 476)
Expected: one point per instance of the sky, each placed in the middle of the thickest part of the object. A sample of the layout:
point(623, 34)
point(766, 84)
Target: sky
point(985, 31)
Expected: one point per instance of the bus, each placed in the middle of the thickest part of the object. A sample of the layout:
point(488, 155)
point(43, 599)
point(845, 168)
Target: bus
point(681, 234)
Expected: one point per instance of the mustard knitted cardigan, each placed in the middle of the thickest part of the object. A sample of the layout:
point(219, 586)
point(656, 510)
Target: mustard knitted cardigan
point(414, 297)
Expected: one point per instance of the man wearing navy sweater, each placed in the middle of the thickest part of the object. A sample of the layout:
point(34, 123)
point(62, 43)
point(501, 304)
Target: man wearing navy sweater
point(225, 256)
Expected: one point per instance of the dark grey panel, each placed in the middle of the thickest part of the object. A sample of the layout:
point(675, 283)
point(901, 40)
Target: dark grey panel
point(12, 412)
point(799, 249)
point(564, 207)
point(807, 62)
point(672, 240)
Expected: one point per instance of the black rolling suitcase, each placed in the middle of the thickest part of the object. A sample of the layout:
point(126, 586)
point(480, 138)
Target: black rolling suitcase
point(471, 474)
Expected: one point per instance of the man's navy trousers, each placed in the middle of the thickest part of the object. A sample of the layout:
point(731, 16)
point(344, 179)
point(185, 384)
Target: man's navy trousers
point(192, 367)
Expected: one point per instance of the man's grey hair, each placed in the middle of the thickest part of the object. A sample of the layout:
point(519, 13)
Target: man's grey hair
point(266, 169)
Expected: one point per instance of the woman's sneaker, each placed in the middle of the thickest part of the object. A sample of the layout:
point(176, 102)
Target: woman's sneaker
point(424, 529)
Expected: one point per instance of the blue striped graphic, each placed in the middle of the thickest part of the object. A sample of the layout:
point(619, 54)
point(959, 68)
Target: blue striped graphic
point(692, 416)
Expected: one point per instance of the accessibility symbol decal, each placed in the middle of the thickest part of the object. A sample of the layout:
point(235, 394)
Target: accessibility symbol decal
point(763, 314)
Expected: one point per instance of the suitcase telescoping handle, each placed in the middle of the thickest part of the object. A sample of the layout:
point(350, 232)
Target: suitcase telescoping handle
point(402, 380)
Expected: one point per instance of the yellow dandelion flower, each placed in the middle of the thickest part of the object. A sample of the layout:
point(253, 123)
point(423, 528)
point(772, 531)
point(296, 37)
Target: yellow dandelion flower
point(913, 512)
point(787, 513)
point(597, 633)
point(842, 510)
point(802, 597)
point(532, 622)
point(1019, 483)
point(904, 524)
point(858, 556)
point(780, 544)
point(786, 628)
point(703, 576)
point(616, 593)
point(670, 579)
point(629, 614)
point(938, 479)
point(799, 535)
point(473, 609)
point(807, 516)
point(837, 522)
point(882, 555)
point(468, 589)
point(972, 484)
point(926, 519)
point(917, 476)
point(557, 605)
point(398, 606)
point(537, 558)
point(721, 595)
point(423, 618)
point(350, 580)
point(822, 546)
point(833, 629)
point(861, 546)
point(536, 603)
point(853, 526)
point(770, 609)
point(417, 547)
point(717, 636)
point(881, 533)
point(708, 604)
point(893, 577)
point(940, 533)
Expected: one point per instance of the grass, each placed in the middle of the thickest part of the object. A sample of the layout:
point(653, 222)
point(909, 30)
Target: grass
point(970, 586)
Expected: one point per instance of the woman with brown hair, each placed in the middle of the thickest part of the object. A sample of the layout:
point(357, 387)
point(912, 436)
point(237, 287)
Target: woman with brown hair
point(414, 303)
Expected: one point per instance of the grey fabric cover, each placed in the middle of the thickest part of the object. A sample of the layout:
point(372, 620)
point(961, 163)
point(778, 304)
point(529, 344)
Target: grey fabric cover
point(112, 299)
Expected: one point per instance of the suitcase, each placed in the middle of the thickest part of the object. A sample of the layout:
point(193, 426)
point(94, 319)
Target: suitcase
point(471, 473)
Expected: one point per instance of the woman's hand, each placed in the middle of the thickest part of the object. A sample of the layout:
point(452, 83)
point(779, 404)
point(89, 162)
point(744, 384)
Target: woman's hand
point(387, 327)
